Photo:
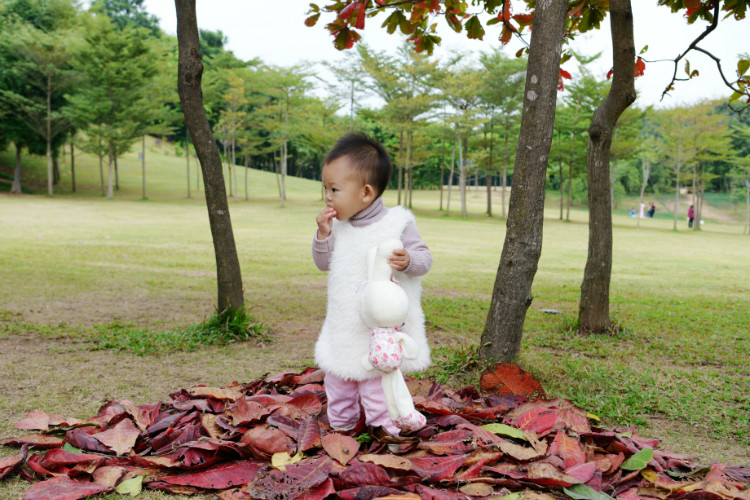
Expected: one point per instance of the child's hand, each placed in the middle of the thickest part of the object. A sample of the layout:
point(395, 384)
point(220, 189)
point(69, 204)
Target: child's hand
point(325, 221)
point(399, 260)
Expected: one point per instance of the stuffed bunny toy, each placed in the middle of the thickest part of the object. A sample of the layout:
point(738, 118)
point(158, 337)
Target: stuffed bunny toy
point(384, 307)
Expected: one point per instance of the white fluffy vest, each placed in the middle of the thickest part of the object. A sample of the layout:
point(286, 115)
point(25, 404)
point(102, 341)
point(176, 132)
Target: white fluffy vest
point(344, 338)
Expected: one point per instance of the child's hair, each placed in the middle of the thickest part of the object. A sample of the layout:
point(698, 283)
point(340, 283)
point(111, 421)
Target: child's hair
point(367, 156)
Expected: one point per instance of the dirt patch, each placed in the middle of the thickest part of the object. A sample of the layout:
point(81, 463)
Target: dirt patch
point(684, 438)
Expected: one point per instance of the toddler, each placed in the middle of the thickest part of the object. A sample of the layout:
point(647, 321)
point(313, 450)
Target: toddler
point(355, 174)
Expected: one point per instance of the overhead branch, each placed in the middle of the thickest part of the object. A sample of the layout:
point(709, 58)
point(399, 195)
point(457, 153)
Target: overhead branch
point(694, 46)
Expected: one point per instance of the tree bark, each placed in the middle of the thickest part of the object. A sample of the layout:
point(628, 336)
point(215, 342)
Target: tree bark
point(190, 72)
point(593, 313)
point(16, 186)
point(511, 295)
point(143, 167)
point(462, 173)
point(73, 166)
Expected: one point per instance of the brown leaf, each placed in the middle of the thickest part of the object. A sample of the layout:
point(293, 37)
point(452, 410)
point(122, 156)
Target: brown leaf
point(226, 394)
point(340, 447)
point(477, 489)
point(437, 468)
point(520, 453)
point(9, 465)
point(548, 475)
point(456, 442)
point(36, 420)
point(509, 377)
point(120, 438)
point(388, 461)
point(291, 483)
point(108, 475)
point(246, 412)
point(208, 421)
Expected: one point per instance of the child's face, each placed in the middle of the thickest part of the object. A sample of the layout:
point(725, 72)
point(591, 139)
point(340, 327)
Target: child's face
point(345, 191)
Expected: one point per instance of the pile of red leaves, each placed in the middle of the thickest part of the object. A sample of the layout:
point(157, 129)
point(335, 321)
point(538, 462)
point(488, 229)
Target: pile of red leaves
point(270, 439)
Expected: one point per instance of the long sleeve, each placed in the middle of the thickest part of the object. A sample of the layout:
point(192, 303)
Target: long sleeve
point(420, 258)
point(321, 251)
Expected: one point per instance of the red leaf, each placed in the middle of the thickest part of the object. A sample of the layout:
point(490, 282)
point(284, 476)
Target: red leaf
point(456, 442)
point(341, 447)
point(302, 406)
point(309, 435)
point(524, 19)
point(38, 441)
point(640, 67)
point(505, 12)
point(319, 492)
point(508, 377)
point(568, 449)
point(437, 468)
point(582, 472)
point(8, 465)
point(36, 420)
point(63, 488)
point(428, 493)
point(348, 10)
point(610, 73)
point(366, 493)
point(246, 412)
point(364, 474)
point(548, 475)
point(267, 440)
point(539, 420)
point(434, 6)
point(290, 483)
point(56, 459)
point(360, 24)
point(219, 477)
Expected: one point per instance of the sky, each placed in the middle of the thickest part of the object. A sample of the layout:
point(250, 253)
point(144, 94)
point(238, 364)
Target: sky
point(274, 31)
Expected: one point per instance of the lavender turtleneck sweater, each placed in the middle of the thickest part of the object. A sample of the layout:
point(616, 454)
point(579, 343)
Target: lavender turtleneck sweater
point(420, 259)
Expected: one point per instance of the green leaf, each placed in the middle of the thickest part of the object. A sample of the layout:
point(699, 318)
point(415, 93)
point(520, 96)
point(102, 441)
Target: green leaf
point(70, 448)
point(735, 96)
point(474, 28)
point(505, 430)
point(639, 461)
point(130, 486)
point(742, 66)
point(512, 496)
point(643, 50)
point(583, 492)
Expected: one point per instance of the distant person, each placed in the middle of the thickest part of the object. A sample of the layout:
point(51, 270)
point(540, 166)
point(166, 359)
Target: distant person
point(632, 212)
point(643, 208)
point(691, 216)
point(355, 174)
point(651, 210)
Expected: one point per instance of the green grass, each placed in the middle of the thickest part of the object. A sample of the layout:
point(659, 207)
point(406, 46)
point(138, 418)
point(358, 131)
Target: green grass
point(144, 271)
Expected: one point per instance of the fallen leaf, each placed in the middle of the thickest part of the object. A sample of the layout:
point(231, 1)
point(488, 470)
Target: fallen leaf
point(130, 486)
point(120, 438)
point(509, 377)
point(568, 449)
point(340, 447)
point(228, 394)
point(281, 460)
point(36, 420)
point(437, 468)
point(389, 461)
point(638, 461)
point(38, 441)
point(108, 475)
point(583, 492)
point(292, 482)
point(505, 430)
point(477, 489)
point(308, 434)
point(220, 476)
point(63, 488)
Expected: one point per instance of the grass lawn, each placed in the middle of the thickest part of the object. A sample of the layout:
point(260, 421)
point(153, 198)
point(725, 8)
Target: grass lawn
point(78, 267)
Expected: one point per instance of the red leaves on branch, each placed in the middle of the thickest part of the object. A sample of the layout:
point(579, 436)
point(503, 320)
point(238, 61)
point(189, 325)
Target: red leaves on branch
point(223, 440)
point(640, 67)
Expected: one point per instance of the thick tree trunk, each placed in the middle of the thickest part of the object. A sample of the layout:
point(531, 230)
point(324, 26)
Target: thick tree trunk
point(593, 313)
point(16, 186)
point(511, 295)
point(73, 166)
point(190, 71)
point(143, 167)
point(55, 170)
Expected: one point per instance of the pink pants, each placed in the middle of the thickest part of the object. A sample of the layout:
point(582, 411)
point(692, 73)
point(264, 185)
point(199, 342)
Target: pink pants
point(344, 397)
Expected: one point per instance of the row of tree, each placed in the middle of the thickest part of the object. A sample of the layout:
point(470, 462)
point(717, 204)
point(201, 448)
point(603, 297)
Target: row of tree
point(103, 78)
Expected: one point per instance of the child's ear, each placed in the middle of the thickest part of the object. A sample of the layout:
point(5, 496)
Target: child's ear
point(368, 193)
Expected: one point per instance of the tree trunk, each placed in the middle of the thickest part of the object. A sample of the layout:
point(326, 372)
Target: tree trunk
point(407, 186)
point(73, 166)
point(55, 170)
point(234, 165)
point(450, 176)
point(505, 174)
point(462, 174)
point(110, 193)
point(593, 313)
point(101, 172)
point(442, 173)
point(488, 177)
point(187, 157)
point(677, 183)
point(49, 136)
point(190, 71)
point(400, 163)
point(570, 192)
point(247, 167)
point(143, 167)
point(511, 294)
point(117, 174)
point(16, 186)
point(646, 171)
